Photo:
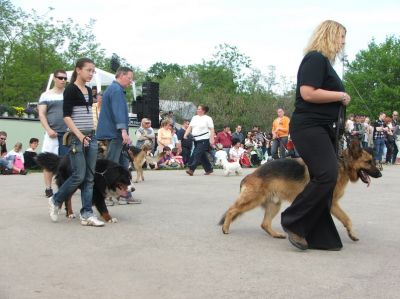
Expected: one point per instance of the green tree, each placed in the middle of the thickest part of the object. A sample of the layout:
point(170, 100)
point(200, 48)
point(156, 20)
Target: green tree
point(160, 70)
point(373, 78)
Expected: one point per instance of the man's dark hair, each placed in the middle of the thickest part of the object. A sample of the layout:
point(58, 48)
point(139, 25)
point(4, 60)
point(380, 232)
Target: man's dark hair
point(33, 139)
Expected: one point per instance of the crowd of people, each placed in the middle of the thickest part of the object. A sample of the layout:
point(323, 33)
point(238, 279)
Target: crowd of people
point(88, 116)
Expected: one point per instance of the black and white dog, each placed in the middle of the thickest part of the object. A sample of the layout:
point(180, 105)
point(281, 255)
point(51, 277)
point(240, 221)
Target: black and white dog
point(110, 180)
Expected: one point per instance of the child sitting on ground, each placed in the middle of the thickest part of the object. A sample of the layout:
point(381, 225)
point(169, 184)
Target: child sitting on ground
point(220, 153)
point(166, 160)
point(16, 159)
point(177, 157)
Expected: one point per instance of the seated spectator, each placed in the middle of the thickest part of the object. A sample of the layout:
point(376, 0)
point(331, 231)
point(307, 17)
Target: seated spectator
point(245, 158)
point(225, 138)
point(3, 151)
point(30, 154)
point(164, 136)
point(249, 138)
point(236, 151)
point(166, 160)
point(176, 156)
point(220, 153)
point(255, 155)
point(17, 158)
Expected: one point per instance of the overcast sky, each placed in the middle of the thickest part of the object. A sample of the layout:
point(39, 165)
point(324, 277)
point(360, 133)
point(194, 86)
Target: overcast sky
point(187, 31)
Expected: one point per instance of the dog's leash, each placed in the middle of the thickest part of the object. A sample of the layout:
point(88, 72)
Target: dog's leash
point(340, 127)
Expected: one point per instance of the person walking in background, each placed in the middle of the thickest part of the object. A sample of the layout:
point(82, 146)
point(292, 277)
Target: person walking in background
point(114, 119)
point(96, 109)
point(78, 116)
point(202, 128)
point(320, 95)
point(380, 130)
point(396, 135)
point(280, 132)
point(187, 143)
point(50, 108)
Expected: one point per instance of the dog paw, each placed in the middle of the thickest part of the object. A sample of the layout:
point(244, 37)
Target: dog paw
point(225, 231)
point(353, 236)
point(279, 236)
point(71, 216)
point(113, 220)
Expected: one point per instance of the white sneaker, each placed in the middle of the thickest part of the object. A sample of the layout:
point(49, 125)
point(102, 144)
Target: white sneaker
point(53, 210)
point(91, 221)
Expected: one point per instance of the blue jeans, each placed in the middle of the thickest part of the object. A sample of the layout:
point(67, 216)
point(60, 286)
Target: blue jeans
point(279, 143)
point(115, 153)
point(62, 149)
point(7, 162)
point(83, 163)
point(199, 155)
point(379, 147)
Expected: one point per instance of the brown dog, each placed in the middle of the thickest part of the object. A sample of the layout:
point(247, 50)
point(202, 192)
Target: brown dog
point(284, 179)
point(138, 157)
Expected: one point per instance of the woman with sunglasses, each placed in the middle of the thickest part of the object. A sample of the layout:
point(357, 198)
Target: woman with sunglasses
point(77, 111)
point(50, 109)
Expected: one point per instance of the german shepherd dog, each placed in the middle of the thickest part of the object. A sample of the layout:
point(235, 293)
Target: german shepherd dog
point(284, 179)
point(138, 157)
point(110, 179)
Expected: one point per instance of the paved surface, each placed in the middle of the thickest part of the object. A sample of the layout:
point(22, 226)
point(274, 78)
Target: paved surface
point(171, 247)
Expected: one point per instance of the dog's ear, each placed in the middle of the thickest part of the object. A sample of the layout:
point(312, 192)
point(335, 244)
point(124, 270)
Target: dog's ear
point(355, 149)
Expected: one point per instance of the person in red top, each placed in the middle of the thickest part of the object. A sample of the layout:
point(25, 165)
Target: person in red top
point(280, 132)
point(225, 138)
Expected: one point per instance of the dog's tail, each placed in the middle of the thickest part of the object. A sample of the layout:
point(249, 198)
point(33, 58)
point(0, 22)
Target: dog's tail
point(48, 161)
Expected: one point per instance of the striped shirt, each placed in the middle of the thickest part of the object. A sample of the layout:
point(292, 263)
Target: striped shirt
point(78, 106)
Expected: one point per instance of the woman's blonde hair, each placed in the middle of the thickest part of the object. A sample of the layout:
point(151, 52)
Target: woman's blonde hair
point(325, 39)
point(18, 146)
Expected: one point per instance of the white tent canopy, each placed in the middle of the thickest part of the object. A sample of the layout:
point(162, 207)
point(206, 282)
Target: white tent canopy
point(100, 78)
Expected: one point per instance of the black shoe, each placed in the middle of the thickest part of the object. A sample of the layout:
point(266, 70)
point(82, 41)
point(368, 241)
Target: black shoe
point(296, 240)
point(48, 192)
point(208, 172)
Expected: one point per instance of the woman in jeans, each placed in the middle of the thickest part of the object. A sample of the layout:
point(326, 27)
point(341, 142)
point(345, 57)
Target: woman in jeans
point(202, 128)
point(319, 97)
point(77, 111)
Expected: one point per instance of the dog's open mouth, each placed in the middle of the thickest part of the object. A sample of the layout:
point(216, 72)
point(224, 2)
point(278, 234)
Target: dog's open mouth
point(364, 177)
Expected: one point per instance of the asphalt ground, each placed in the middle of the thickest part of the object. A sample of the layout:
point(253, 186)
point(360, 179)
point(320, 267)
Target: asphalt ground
point(170, 246)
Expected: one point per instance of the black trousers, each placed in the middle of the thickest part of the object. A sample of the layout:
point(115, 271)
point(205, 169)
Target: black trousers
point(199, 155)
point(309, 215)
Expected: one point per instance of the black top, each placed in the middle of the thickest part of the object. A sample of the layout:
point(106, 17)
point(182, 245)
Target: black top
point(315, 70)
point(3, 149)
point(73, 96)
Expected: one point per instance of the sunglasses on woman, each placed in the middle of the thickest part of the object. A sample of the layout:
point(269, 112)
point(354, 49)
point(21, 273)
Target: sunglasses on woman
point(61, 78)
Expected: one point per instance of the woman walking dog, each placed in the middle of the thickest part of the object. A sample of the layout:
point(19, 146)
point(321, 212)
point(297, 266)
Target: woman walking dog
point(77, 110)
point(202, 128)
point(319, 96)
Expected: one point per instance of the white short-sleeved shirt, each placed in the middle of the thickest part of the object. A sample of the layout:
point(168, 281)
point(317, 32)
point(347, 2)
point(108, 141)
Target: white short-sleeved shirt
point(201, 126)
point(235, 154)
